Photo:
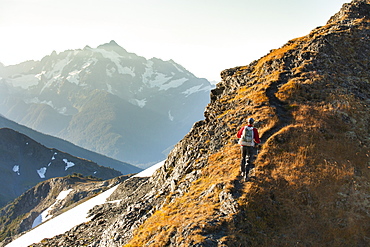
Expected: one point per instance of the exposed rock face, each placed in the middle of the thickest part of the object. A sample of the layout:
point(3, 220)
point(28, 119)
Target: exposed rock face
point(135, 201)
point(22, 214)
point(310, 185)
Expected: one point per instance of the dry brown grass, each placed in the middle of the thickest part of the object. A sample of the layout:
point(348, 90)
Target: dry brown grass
point(307, 192)
point(312, 186)
point(195, 211)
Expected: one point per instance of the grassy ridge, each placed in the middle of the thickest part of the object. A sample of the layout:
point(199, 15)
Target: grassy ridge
point(310, 99)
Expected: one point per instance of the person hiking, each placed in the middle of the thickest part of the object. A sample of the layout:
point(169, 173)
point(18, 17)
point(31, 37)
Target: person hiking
point(248, 138)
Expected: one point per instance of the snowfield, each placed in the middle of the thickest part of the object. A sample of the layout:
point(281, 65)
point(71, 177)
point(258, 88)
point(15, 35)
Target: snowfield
point(150, 171)
point(71, 218)
point(61, 223)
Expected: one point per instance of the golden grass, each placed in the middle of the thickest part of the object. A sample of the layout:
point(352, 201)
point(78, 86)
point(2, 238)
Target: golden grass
point(309, 193)
point(306, 193)
point(276, 54)
point(194, 210)
point(312, 184)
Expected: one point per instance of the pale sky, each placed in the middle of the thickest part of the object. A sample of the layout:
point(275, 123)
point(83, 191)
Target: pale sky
point(204, 36)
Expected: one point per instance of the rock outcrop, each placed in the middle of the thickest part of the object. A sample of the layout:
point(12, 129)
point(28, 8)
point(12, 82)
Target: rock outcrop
point(50, 198)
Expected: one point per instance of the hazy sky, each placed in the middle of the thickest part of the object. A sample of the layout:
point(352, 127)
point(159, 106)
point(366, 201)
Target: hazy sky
point(204, 36)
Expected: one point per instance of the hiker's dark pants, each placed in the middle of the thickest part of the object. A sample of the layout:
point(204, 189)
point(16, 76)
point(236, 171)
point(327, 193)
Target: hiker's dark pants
point(248, 155)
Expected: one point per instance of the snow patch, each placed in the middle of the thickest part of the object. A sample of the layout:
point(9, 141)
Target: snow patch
point(162, 81)
point(16, 169)
point(110, 89)
point(74, 77)
point(54, 75)
point(140, 103)
point(63, 110)
point(110, 71)
point(36, 100)
point(63, 222)
point(68, 164)
point(173, 84)
point(116, 201)
point(196, 89)
point(45, 215)
point(154, 79)
point(24, 81)
point(170, 116)
point(63, 194)
point(127, 71)
point(115, 58)
point(39, 76)
point(42, 172)
point(150, 171)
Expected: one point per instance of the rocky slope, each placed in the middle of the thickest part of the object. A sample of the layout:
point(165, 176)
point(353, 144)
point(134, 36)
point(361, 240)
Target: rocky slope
point(47, 200)
point(310, 184)
point(25, 162)
point(105, 99)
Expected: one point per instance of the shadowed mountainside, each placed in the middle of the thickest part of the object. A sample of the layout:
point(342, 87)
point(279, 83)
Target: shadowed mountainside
point(25, 162)
point(68, 147)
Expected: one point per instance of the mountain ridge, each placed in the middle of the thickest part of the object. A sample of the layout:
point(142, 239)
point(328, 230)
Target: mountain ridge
point(310, 100)
point(53, 97)
point(54, 142)
point(25, 162)
point(309, 187)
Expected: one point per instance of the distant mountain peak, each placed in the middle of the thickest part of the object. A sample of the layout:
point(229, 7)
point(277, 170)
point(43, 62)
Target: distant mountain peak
point(112, 42)
point(164, 90)
point(113, 46)
point(53, 54)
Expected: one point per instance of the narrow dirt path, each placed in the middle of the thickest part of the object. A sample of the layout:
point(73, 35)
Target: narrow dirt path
point(284, 115)
point(281, 111)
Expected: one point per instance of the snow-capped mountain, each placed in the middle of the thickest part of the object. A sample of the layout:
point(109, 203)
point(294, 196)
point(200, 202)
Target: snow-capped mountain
point(105, 99)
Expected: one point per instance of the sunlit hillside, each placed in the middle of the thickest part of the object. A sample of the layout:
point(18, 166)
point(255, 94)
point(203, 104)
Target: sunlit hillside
point(311, 186)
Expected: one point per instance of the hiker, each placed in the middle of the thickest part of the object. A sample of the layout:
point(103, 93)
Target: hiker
point(249, 138)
